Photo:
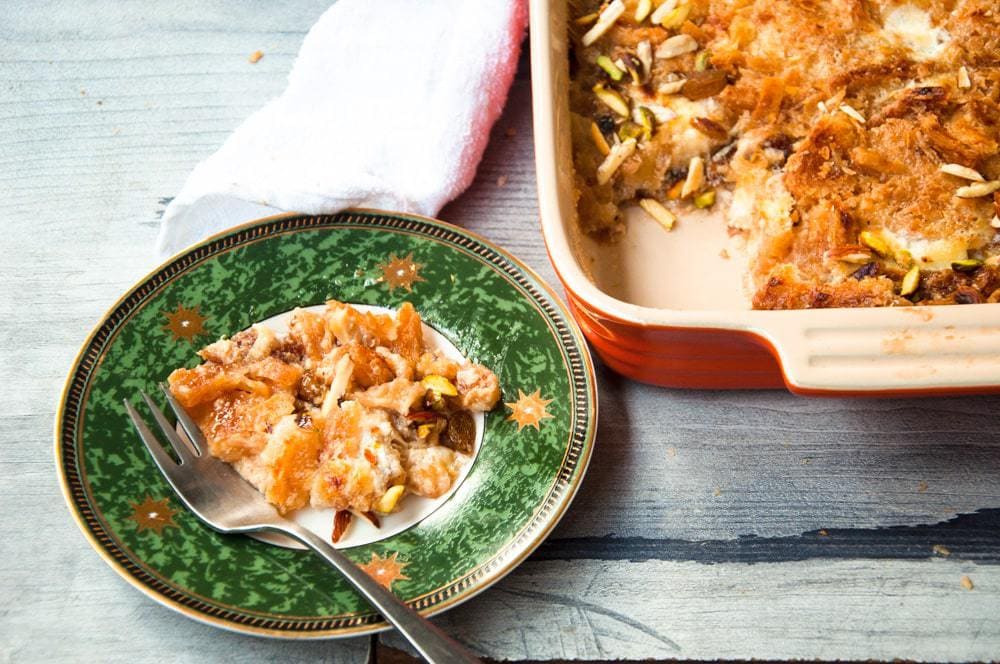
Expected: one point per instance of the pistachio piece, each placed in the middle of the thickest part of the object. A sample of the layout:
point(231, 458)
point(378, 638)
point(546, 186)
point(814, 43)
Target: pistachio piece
point(642, 9)
point(875, 243)
point(910, 281)
point(676, 17)
point(647, 120)
point(662, 10)
point(610, 68)
point(695, 177)
point(904, 258)
point(612, 100)
point(439, 384)
point(966, 265)
point(853, 254)
point(619, 153)
point(977, 189)
point(425, 430)
point(960, 171)
point(607, 18)
point(701, 61)
point(676, 46)
point(705, 199)
point(390, 499)
point(599, 140)
point(852, 112)
point(655, 209)
point(629, 130)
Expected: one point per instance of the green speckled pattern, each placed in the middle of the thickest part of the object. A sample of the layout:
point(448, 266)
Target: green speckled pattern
point(490, 307)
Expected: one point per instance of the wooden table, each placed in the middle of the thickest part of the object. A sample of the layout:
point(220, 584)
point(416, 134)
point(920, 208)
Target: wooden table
point(711, 524)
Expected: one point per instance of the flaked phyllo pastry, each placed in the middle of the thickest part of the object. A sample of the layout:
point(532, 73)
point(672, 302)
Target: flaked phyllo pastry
point(348, 410)
point(852, 143)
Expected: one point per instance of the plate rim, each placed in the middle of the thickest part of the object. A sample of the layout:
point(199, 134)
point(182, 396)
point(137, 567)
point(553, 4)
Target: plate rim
point(488, 579)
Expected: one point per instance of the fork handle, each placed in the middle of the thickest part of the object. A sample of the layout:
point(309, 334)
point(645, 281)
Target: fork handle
point(433, 644)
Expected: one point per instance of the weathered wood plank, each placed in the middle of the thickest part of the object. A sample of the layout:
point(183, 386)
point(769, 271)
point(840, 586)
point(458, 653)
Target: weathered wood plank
point(847, 610)
point(674, 472)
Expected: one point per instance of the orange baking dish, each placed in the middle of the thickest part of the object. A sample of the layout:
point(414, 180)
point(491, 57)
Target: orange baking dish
point(668, 308)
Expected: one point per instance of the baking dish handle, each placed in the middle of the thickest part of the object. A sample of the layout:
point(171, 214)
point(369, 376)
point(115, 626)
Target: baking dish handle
point(891, 351)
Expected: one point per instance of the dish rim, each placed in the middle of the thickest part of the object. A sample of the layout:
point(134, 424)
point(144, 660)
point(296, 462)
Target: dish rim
point(517, 553)
point(781, 332)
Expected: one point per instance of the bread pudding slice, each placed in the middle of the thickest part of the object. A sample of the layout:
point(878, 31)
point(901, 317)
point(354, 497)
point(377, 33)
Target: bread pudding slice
point(348, 410)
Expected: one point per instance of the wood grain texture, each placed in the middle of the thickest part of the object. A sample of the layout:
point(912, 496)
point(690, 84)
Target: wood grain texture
point(698, 524)
point(847, 610)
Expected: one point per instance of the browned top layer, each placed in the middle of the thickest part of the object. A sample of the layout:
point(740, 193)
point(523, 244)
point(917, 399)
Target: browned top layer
point(791, 65)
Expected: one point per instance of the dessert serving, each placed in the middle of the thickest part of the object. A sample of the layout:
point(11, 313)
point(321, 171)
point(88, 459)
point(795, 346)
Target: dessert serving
point(852, 146)
point(348, 410)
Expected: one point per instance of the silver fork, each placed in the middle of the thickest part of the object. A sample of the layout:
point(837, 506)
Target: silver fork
point(229, 504)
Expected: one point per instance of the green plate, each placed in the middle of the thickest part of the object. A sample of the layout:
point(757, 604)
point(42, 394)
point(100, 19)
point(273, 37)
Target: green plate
point(492, 307)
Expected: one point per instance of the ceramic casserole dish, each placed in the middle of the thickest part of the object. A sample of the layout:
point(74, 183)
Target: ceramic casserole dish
point(665, 308)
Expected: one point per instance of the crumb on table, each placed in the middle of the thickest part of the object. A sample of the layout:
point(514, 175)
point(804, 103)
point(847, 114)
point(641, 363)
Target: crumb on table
point(966, 582)
point(256, 56)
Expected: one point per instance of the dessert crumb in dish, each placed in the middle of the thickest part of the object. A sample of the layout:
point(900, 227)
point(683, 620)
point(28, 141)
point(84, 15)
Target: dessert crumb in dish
point(348, 410)
point(855, 146)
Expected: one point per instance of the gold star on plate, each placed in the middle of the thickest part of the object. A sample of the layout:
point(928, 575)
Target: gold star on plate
point(385, 570)
point(185, 323)
point(529, 409)
point(153, 515)
point(400, 272)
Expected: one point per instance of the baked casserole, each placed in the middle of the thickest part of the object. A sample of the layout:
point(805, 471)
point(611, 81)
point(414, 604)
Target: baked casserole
point(852, 145)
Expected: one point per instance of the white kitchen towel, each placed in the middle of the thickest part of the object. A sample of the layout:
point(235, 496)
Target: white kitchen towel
point(389, 105)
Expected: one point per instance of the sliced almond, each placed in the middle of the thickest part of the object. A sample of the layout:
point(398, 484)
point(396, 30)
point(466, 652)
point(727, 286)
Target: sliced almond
point(644, 52)
point(995, 221)
point(852, 112)
point(607, 18)
point(619, 153)
point(875, 242)
point(695, 177)
point(910, 281)
point(977, 189)
point(676, 46)
point(612, 100)
point(656, 210)
point(852, 253)
point(960, 171)
point(963, 78)
point(662, 10)
point(599, 140)
point(676, 17)
point(642, 9)
point(671, 87)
